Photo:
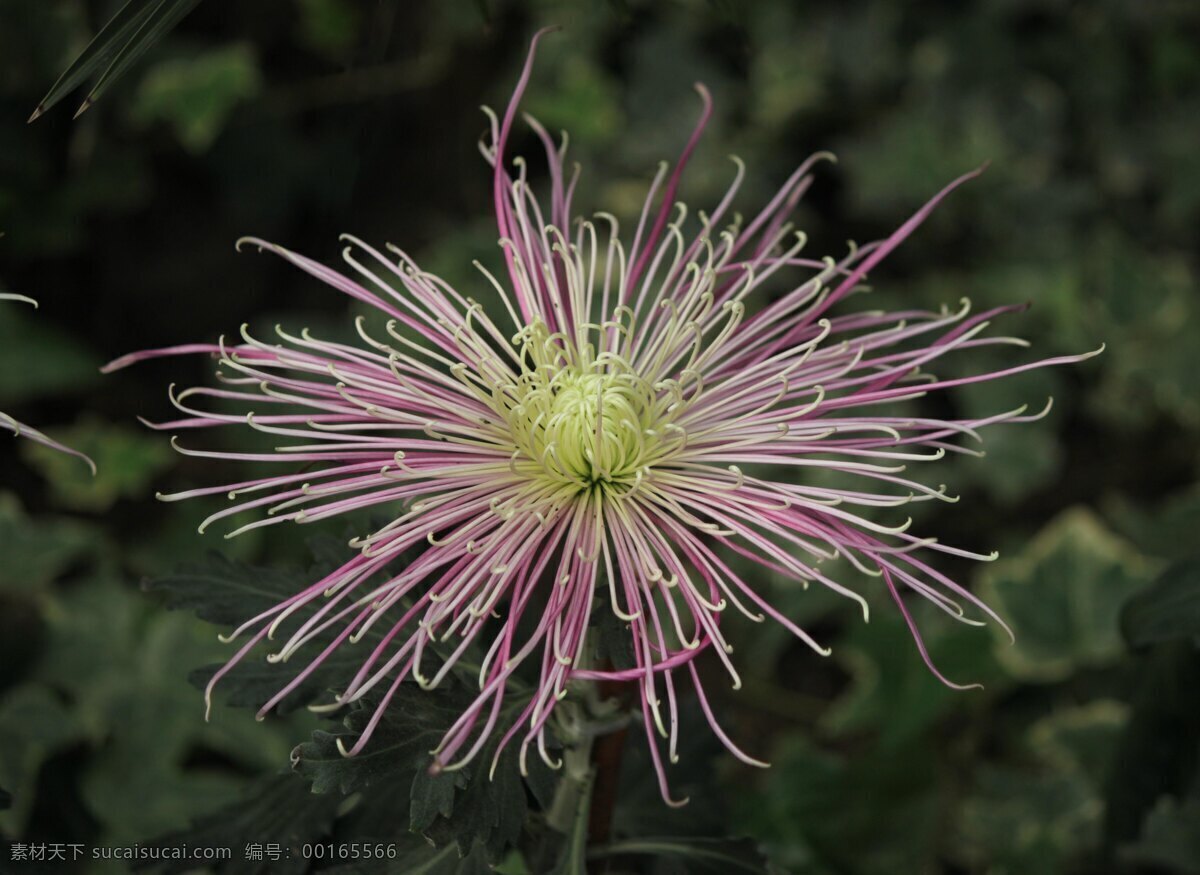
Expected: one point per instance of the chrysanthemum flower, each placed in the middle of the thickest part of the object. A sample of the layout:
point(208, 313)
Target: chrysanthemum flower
point(20, 429)
point(637, 410)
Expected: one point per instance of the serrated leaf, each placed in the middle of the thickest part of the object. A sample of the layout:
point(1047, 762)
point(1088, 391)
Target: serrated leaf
point(720, 856)
point(137, 26)
point(1167, 610)
point(411, 726)
point(1062, 597)
point(121, 661)
point(431, 795)
point(225, 592)
point(461, 808)
point(488, 809)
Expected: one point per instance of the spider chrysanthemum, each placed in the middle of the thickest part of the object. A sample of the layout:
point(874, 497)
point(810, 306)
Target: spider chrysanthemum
point(632, 412)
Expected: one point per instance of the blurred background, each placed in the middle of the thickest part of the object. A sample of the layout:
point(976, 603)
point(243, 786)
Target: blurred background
point(297, 120)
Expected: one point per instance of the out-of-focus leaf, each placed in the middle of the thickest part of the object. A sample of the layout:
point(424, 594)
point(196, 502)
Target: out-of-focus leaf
point(1039, 816)
point(121, 662)
point(1157, 752)
point(329, 27)
point(196, 95)
point(37, 360)
point(34, 723)
point(1167, 609)
point(1063, 596)
point(1170, 841)
point(137, 26)
point(126, 462)
point(1167, 530)
point(36, 552)
point(1030, 822)
point(5, 799)
point(893, 691)
point(279, 811)
point(1079, 739)
point(874, 812)
point(679, 856)
point(583, 102)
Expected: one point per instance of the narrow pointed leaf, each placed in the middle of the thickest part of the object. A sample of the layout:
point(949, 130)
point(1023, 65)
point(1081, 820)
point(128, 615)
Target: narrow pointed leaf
point(100, 51)
point(126, 36)
point(155, 26)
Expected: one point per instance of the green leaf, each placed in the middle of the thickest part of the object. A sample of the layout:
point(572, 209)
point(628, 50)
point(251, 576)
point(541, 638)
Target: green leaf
point(720, 856)
point(490, 809)
point(1167, 610)
point(196, 95)
point(126, 462)
point(137, 26)
point(459, 808)
point(411, 726)
point(225, 592)
point(1063, 597)
point(431, 795)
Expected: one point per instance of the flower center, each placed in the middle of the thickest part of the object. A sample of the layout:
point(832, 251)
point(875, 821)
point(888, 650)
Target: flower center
point(581, 421)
